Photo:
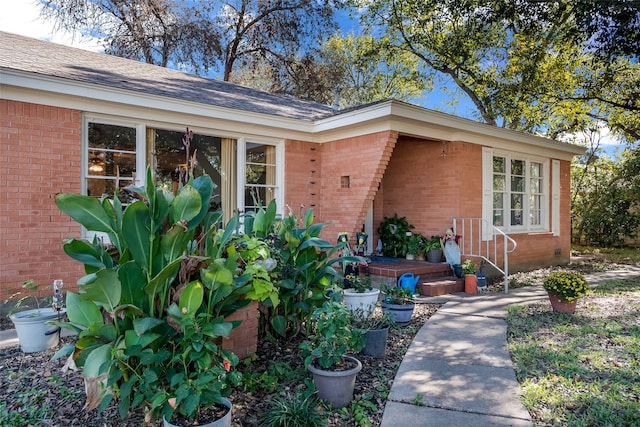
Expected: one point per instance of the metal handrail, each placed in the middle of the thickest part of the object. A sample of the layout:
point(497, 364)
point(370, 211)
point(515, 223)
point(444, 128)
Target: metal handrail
point(480, 239)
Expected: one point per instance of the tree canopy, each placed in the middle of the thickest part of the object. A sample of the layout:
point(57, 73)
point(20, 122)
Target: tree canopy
point(197, 35)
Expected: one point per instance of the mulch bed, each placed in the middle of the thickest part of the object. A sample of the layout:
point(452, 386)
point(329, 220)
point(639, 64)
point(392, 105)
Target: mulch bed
point(34, 381)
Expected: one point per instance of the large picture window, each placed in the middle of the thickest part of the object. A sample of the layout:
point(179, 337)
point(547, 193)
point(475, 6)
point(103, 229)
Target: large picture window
point(519, 193)
point(117, 154)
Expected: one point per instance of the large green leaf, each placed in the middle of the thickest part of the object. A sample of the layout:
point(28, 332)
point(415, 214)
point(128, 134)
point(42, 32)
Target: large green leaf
point(174, 242)
point(98, 362)
point(186, 205)
point(204, 185)
point(85, 210)
point(83, 251)
point(143, 324)
point(136, 232)
point(191, 298)
point(105, 290)
point(131, 338)
point(168, 273)
point(133, 281)
point(83, 313)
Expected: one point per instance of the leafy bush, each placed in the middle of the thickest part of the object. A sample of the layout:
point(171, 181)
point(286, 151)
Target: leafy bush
point(566, 285)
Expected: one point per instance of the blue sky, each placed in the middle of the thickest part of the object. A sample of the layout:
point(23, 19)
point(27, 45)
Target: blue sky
point(21, 17)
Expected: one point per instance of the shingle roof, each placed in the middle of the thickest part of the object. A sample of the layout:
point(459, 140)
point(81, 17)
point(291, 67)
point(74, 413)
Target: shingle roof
point(50, 59)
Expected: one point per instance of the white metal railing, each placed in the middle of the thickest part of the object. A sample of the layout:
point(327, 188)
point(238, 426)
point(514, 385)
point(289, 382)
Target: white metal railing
point(483, 240)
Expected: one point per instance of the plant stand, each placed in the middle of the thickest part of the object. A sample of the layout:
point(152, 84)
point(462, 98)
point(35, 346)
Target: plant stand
point(336, 387)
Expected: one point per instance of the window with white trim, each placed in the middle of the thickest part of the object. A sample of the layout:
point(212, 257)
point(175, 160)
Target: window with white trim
point(519, 192)
point(115, 152)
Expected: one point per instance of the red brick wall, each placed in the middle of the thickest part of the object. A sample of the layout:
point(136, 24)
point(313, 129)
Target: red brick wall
point(243, 340)
point(362, 159)
point(39, 157)
point(430, 189)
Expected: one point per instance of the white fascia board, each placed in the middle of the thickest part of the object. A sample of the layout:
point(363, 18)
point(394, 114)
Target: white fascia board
point(417, 121)
point(96, 99)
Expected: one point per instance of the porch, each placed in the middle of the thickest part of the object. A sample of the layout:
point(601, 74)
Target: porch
point(435, 278)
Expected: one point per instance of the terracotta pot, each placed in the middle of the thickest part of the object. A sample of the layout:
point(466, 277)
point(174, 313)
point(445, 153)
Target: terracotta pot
point(562, 306)
point(470, 284)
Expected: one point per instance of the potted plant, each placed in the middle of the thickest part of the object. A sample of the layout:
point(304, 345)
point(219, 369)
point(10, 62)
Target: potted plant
point(325, 352)
point(376, 332)
point(470, 280)
point(150, 312)
point(398, 303)
point(416, 246)
point(359, 295)
point(434, 249)
point(564, 289)
point(34, 331)
point(393, 235)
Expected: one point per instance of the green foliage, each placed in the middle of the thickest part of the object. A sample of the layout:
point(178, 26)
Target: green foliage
point(305, 274)
point(396, 294)
point(34, 408)
point(294, 410)
point(150, 311)
point(359, 283)
point(606, 200)
point(433, 244)
point(416, 244)
point(393, 234)
point(579, 370)
point(333, 336)
point(566, 285)
point(23, 301)
point(468, 267)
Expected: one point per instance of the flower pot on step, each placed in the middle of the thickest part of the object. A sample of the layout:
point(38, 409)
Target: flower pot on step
point(434, 255)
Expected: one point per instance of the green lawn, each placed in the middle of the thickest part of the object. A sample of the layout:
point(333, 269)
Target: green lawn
point(581, 369)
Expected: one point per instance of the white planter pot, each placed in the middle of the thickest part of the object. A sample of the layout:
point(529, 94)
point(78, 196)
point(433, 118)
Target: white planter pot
point(33, 333)
point(361, 302)
point(221, 422)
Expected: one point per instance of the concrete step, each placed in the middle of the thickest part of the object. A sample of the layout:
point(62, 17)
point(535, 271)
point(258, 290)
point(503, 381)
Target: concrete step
point(436, 286)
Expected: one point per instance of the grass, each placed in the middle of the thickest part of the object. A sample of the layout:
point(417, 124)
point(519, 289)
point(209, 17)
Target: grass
point(581, 369)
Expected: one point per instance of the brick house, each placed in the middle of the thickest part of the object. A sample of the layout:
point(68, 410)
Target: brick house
point(71, 120)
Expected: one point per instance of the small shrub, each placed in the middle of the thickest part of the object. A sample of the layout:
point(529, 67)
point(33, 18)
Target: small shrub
point(566, 285)
point(294, 410)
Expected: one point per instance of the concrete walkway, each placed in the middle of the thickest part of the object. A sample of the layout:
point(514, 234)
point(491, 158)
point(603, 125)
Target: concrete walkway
point(458, 371)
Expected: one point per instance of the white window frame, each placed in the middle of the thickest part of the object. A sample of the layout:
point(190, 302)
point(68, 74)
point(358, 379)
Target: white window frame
point(242, 178)
point(526, 227)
